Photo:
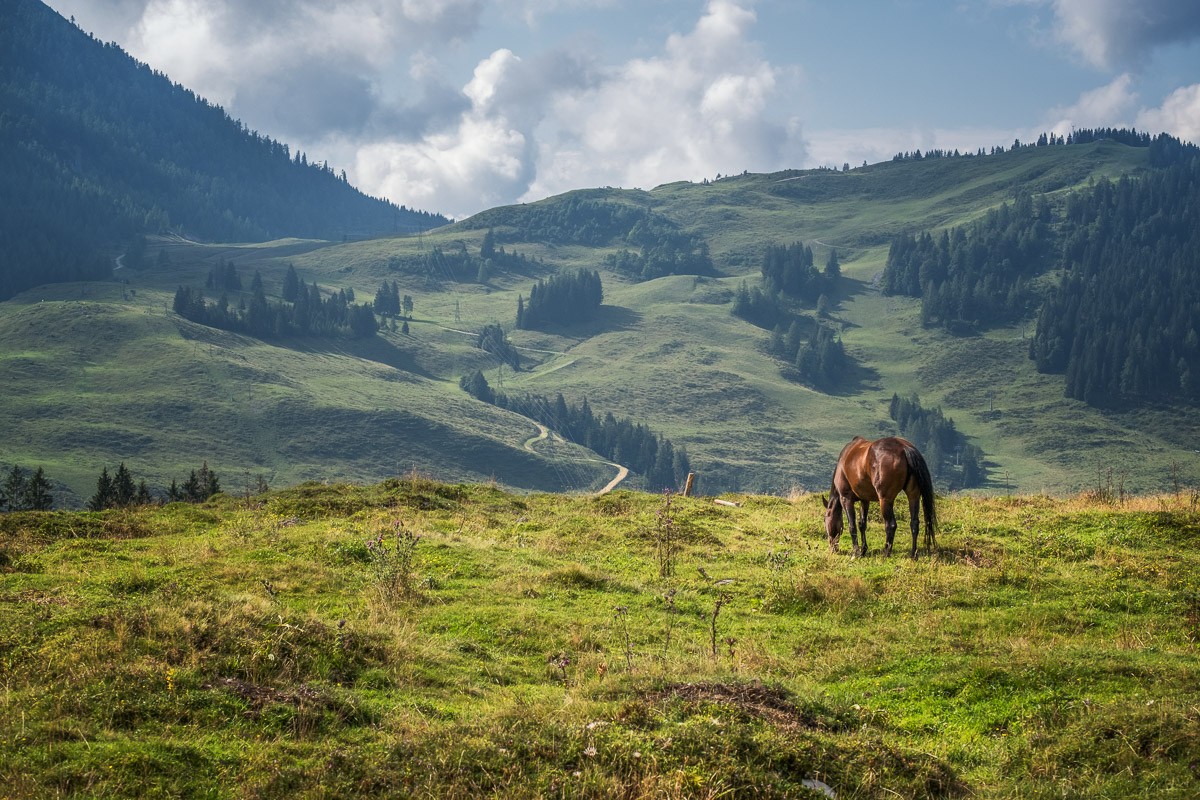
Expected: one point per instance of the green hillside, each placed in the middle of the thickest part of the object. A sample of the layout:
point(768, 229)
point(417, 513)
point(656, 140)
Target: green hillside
point(98, 149)
point(102, 372)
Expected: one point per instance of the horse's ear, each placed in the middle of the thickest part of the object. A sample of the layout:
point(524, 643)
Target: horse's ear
point(824, 501)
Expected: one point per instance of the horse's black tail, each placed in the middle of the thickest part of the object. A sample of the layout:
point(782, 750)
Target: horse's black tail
point(917, 466)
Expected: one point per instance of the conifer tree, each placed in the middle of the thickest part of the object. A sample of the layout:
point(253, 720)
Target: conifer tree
point(12, 495)
point(123, 490)
point(37, 492)
point(103, 498)
point(291, 285)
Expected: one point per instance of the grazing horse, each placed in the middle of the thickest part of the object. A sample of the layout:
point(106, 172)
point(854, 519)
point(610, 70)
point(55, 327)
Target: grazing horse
point(878, 471)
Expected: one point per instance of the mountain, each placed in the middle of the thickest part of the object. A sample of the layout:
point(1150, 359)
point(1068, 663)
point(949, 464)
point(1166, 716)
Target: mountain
point(98, 149)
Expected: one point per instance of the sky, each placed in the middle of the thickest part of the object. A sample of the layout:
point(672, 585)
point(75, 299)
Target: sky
point(455, 106)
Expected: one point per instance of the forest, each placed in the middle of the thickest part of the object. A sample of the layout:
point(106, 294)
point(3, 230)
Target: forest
point(974, 275)
point(1120, 321)
point(1123, 321)
point(653, 246)
point(87, 168)
point(565, 298)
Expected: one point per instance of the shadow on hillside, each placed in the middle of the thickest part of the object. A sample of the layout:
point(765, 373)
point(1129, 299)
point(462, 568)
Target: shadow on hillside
point(608, 320)
point(372, 348)
point(857, 380)
point(849, 289)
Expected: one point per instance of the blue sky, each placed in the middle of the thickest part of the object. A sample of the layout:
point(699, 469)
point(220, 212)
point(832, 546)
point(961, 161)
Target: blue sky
point(459, 105)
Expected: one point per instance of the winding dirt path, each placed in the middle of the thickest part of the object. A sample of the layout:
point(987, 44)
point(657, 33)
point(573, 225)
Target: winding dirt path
point(544, 433)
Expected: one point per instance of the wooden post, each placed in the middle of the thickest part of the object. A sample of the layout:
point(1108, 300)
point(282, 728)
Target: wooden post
point(687, 489)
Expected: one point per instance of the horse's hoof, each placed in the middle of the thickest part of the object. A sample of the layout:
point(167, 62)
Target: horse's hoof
point(887, 551)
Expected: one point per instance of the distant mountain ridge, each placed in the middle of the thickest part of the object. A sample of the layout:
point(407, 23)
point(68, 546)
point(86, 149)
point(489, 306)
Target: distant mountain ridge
point(97, 148)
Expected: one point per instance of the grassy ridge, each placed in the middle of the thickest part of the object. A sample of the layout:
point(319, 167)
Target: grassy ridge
point(525, 649)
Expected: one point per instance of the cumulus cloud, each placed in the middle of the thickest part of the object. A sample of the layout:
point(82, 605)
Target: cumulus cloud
point(1179, 115)
point(1109, 33)
point(297, 69)
point(559, 121)
point(706, 104)
point(1112, 105)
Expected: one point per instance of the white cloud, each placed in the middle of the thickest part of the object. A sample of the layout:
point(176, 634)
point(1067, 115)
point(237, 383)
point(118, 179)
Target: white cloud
point(480, 162)
point(557, 122)
point(705, 105)
point(1112, 105)
point(1179, 115)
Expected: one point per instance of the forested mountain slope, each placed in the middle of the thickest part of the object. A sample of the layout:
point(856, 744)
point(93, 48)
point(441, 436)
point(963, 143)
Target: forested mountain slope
point(97, 149)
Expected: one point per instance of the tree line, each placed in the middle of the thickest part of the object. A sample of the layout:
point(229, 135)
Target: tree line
point(663, 249)
point(1126, 136)
point(118, 490)
point(458, 265)
point(388, 302)
point(310, 314)
point(949, 455)
point(819, 357)
point(654, 245)
point(789, 270)
point(97, 148)
point(633, 445)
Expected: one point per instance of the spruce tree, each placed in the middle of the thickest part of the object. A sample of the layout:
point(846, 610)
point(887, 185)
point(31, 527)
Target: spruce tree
point(191, 491)
point(123, 489)
point(291, 285)
point(13, 497)
point(37, 492)
point(103, 498)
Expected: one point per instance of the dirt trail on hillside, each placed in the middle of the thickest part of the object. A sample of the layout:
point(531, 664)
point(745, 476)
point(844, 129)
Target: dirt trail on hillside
point(544, 433)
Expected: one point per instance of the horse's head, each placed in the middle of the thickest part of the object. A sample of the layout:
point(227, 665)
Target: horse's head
point(833, 521)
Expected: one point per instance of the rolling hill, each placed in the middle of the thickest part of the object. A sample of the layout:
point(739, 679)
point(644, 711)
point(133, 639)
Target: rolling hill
point(101, 372)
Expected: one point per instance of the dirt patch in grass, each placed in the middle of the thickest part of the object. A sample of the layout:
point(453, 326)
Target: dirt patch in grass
point(768, 704)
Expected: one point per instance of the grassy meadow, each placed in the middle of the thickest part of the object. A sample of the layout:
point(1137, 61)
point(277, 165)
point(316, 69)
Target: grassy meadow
point(492, 644)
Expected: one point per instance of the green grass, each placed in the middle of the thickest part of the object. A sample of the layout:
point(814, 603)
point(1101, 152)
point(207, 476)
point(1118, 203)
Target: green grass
point(1047, 649)
point(95, 374)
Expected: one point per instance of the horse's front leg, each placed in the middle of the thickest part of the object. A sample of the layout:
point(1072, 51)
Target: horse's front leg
point(887, 509)
point(848, 507)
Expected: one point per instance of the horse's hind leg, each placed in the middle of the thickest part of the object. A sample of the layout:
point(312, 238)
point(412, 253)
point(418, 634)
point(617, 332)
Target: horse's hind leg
point(914, 518)
point(862, 526)
point(887, 509)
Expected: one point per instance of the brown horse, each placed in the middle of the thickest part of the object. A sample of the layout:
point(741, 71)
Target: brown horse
point(878, 471)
